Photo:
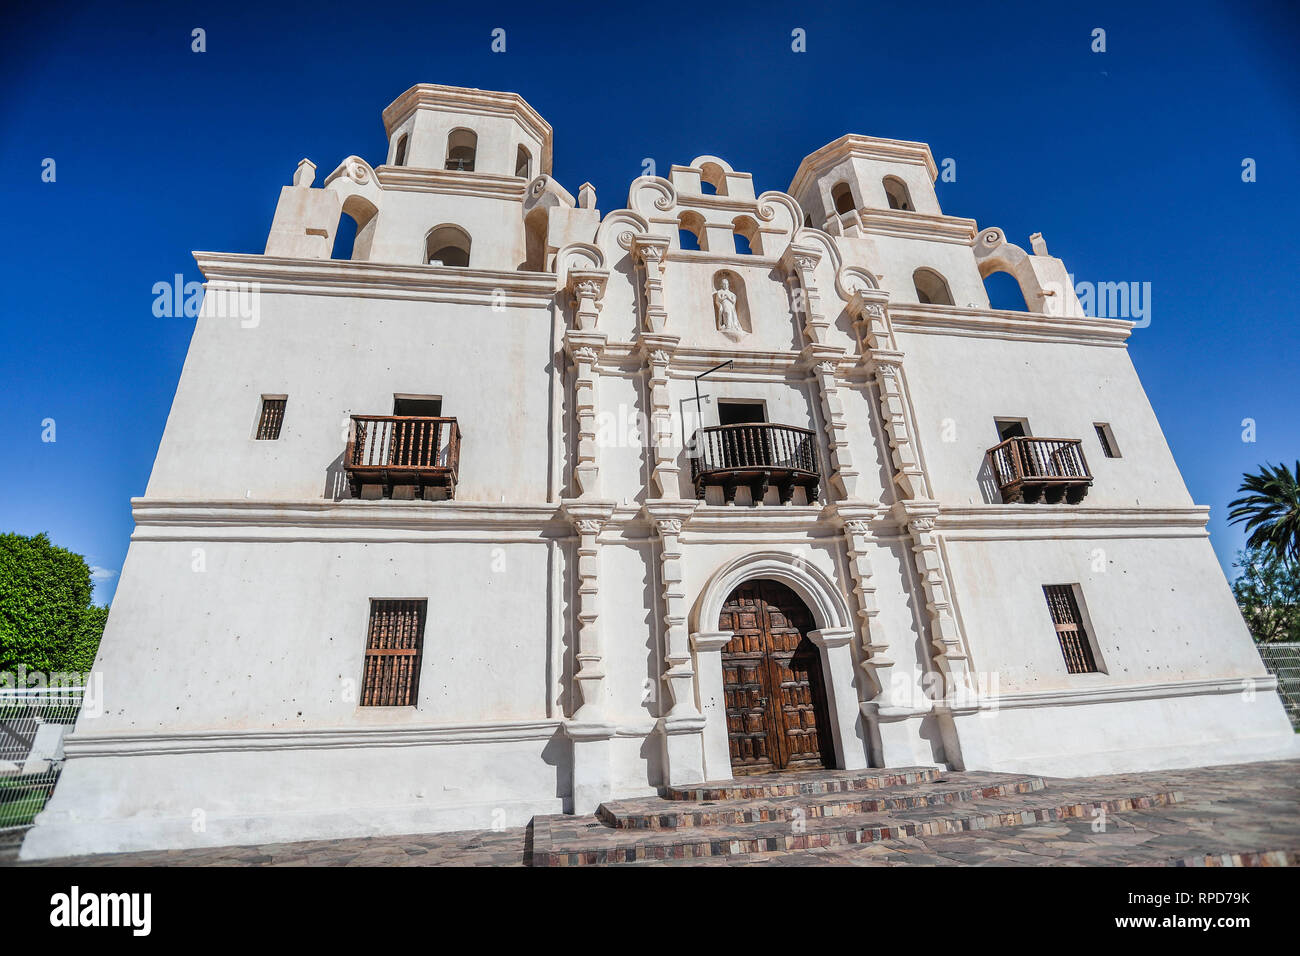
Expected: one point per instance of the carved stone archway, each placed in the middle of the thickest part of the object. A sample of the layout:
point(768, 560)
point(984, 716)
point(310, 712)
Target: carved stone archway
point(833, 636)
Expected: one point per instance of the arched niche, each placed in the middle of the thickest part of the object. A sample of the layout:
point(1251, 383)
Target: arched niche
point(736, 284)
point(523, 163)
point(842, 198)
point(462, 150)
point(931, 287)
point(897, 195)
point(447, 245)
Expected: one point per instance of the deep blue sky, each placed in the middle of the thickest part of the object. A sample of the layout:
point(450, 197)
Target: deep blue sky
point(1129, 162)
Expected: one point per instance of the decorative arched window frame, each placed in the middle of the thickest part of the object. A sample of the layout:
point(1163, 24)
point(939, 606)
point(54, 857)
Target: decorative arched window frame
point(523, 162)
point(400, 148)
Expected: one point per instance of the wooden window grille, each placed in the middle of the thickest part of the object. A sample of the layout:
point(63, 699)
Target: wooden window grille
point(393, 651)
point(1075, 645)
point(268, 426)
point(1107, 443)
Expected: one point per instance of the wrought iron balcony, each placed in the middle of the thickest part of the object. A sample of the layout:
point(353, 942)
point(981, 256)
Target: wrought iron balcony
point(391, 450)
point(1050, 470)
point(757, 456)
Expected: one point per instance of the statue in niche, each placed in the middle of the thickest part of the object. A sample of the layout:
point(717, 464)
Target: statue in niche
point(728, 319)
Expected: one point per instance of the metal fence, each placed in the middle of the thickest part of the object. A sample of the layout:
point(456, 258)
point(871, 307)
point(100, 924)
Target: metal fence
point(1283, 660)
point(33, 722)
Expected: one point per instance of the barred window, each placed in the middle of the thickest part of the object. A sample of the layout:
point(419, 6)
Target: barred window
point(272, 417)
point(1075, 645)
point(394, 646)
point(1107, 439)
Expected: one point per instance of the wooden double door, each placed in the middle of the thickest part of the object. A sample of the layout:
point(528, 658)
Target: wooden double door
point(772, 681)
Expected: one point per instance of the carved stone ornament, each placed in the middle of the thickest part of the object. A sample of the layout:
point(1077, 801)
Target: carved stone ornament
point(588, 526)
point(921, 525)
point(586, 354)
point(857, 527)
point(728, 319)
point(670, 526)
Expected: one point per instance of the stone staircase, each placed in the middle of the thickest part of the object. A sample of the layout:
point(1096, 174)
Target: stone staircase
point(775, 813)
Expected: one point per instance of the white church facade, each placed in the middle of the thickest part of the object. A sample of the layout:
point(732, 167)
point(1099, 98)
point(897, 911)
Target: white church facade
point(522, 506)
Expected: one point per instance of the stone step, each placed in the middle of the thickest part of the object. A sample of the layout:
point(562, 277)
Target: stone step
point(659, 814)
point(583, 841)
point(758, 786)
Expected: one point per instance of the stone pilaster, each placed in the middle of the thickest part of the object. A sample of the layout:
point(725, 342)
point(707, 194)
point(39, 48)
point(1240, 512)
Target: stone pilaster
point(658, 350)
point(652, 251)
point(679, 675)
point(800, 264)
point(825, 362)
point(589, 653)
point(682, 724)
point(880, 352)
point(945, 642)
point(587, 287)
point(584, 349)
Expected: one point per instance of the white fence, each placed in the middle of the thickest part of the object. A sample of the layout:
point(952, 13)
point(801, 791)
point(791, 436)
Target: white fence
point(1283, 660)
point(33, 722)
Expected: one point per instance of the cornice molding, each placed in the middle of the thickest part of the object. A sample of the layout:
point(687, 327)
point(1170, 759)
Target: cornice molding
point(379, 279)
point(452, 182)
point(918, 225)
point(1008, 324)
point(247, 741)
point(1105, 693)
point(1022, 522)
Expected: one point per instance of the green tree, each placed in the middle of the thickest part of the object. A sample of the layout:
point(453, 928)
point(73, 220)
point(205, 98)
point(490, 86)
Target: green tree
point(47, 620)
point(1268, 593)
point(1270, 510)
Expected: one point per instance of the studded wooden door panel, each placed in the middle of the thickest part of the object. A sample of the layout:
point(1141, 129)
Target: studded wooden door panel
point(772, 682)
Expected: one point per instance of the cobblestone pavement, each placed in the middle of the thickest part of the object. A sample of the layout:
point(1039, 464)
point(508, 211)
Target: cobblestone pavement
point(1241, 814)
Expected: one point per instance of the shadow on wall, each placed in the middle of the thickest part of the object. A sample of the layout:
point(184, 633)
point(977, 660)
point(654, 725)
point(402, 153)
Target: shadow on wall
point(336, 480)
point(988, 482)
point(558, 753)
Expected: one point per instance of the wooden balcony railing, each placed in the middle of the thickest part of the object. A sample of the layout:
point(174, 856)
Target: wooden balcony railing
point(1041, 469)
point(391, 450)
point(758, 456)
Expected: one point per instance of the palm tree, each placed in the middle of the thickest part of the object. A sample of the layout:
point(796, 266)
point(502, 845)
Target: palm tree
point(1271, 510)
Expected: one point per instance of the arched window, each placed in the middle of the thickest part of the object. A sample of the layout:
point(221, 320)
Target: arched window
point(746, 236)
point(690, 231)
point(842, 196)
point(712, 175)
point(356, 229)
point(399, 154)
point(447, 246)
point(931, 288)
point(462, 144)
point(524, 163)
point(896, 193)
point(1004, 291)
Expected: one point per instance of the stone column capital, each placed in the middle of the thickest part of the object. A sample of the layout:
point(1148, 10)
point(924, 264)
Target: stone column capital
point(707, 642)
